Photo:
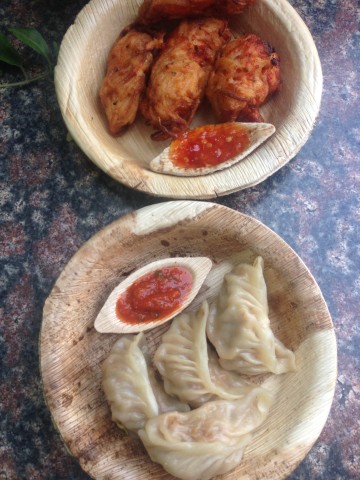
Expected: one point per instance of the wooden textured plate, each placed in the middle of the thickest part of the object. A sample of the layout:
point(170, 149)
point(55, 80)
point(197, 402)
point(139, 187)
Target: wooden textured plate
point(81, 68)
point(72, 351)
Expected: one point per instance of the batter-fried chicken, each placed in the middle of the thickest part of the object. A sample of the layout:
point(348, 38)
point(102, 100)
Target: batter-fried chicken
point(128, 62)
point(246, 72)
point(180, 73)
point(229, 7)
point(152, 11)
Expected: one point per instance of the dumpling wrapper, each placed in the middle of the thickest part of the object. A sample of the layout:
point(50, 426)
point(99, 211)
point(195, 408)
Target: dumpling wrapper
point(189, 368)
point(207, 441)
point(239, 326)
point(131, 387)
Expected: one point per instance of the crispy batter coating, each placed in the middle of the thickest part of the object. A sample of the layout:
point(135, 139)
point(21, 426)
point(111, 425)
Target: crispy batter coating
point(128, 62)
point(180, 73)
point(152, 11)
point(229, 7)
point(246, 72)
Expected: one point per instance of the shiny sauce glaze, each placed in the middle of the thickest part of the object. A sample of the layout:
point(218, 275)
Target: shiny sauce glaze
point(155, 295)
point(208, 145)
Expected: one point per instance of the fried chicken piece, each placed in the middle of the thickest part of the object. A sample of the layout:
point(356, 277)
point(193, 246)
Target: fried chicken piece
point(152, 11)
point(128, 63)
point(180, 73)
point(246, 72)
point(229, 7)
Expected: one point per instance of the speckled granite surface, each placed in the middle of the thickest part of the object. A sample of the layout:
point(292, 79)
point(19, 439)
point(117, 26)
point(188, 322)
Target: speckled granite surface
point(53, 199)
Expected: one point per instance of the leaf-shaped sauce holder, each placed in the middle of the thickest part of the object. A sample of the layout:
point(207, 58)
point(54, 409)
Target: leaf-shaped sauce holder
point(257, 134)
point(110, 321)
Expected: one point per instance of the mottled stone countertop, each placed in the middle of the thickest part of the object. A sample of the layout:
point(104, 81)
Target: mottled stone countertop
point(53, 199)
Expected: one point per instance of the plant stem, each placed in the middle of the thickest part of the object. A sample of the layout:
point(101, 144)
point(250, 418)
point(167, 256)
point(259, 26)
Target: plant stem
point(24, 82)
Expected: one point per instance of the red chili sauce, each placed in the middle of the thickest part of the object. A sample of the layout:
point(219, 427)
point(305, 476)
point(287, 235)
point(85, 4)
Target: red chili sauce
point(154, 295)
point(208, 145)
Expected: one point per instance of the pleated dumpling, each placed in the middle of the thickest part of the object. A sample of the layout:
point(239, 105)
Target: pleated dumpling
point(191, 370)
point(130, 385)
point(207, 441)
point(239, 326)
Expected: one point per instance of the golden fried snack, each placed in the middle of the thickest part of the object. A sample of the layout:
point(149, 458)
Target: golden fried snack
point(246, 72)
point(180, 73)
point(128, 62)
point(152, 11)
point(229, 7)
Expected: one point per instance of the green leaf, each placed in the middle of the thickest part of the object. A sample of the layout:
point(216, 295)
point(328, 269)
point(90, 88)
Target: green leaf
point(33, 39)
point(56, 48)
point(8, 54)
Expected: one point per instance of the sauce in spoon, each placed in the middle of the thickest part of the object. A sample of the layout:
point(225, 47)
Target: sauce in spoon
point(154, 295)
point(209, 145)
point(210, 148)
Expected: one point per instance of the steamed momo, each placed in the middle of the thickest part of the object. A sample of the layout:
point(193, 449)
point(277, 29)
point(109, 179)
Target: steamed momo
point(130, 385)
point(207, 441)
point(239, 326)
point(189, 368)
